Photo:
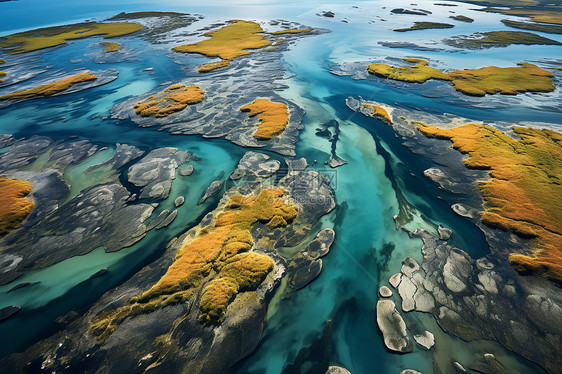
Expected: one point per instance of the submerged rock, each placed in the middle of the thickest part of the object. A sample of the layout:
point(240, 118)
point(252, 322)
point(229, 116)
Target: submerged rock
point(99, 273)
point(306, 265)
point(8, 312)
point(393, 327)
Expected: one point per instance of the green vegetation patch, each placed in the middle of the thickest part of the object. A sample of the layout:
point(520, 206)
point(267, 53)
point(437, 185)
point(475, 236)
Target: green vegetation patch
point(418, 73)
point(462, 18)
point(47, 37)
point(498, 39)
point(476, 82)
point(111, 46)
point(426, 26)
point(551, 29)
point(136, 15)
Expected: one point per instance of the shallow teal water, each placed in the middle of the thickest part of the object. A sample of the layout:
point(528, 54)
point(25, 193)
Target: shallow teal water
point(345, 292)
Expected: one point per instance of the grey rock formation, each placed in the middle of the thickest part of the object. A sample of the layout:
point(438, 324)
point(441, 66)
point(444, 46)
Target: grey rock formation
point(166, 221)
point(123, 154)
point(481, 299)
point(384, 291)
point(23, 152)
point(337, 370)
point(425, 339)
point(189, 345)
point(186, 171)
point(439, 177)
point(464, 211)
point(98, 216)
point(304, 267)
point(179, 201)
point(103, 77)
point(155, 171)
point(393, 327)
point(257, 165)
point(213, 188)
point(395, 280)
point(444, 233)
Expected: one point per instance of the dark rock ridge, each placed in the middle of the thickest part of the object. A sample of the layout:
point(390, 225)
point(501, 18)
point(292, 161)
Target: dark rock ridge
point(316, 357)
point(304, 267)
point(98, 216)
point(393, 327)
point(155, 171)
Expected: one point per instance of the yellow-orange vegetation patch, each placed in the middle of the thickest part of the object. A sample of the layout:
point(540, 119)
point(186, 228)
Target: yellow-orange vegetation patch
point(2, 73)
point(14, 204)
point(219, 250)
point(380, 113)
point(523, 194)
point(33, 40)
point(273, 117)
point(111, 46)
point(476, 82)
point(173, 99)
point(227, 43)
point(52, 88)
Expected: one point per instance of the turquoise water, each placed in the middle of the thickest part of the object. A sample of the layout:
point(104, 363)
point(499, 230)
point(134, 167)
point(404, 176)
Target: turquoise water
point(368, 248)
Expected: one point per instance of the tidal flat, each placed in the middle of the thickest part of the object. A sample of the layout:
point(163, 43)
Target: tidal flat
point(267, 187)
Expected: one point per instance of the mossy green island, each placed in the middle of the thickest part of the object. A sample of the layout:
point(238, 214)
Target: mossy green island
point(498, 39)
point(47, 37)
point(426, 26)
point(477, 82)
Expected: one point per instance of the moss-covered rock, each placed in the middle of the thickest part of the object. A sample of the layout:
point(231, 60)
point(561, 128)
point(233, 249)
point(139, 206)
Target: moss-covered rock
point(273, 117)
point(33, 40)
point(173, 99)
